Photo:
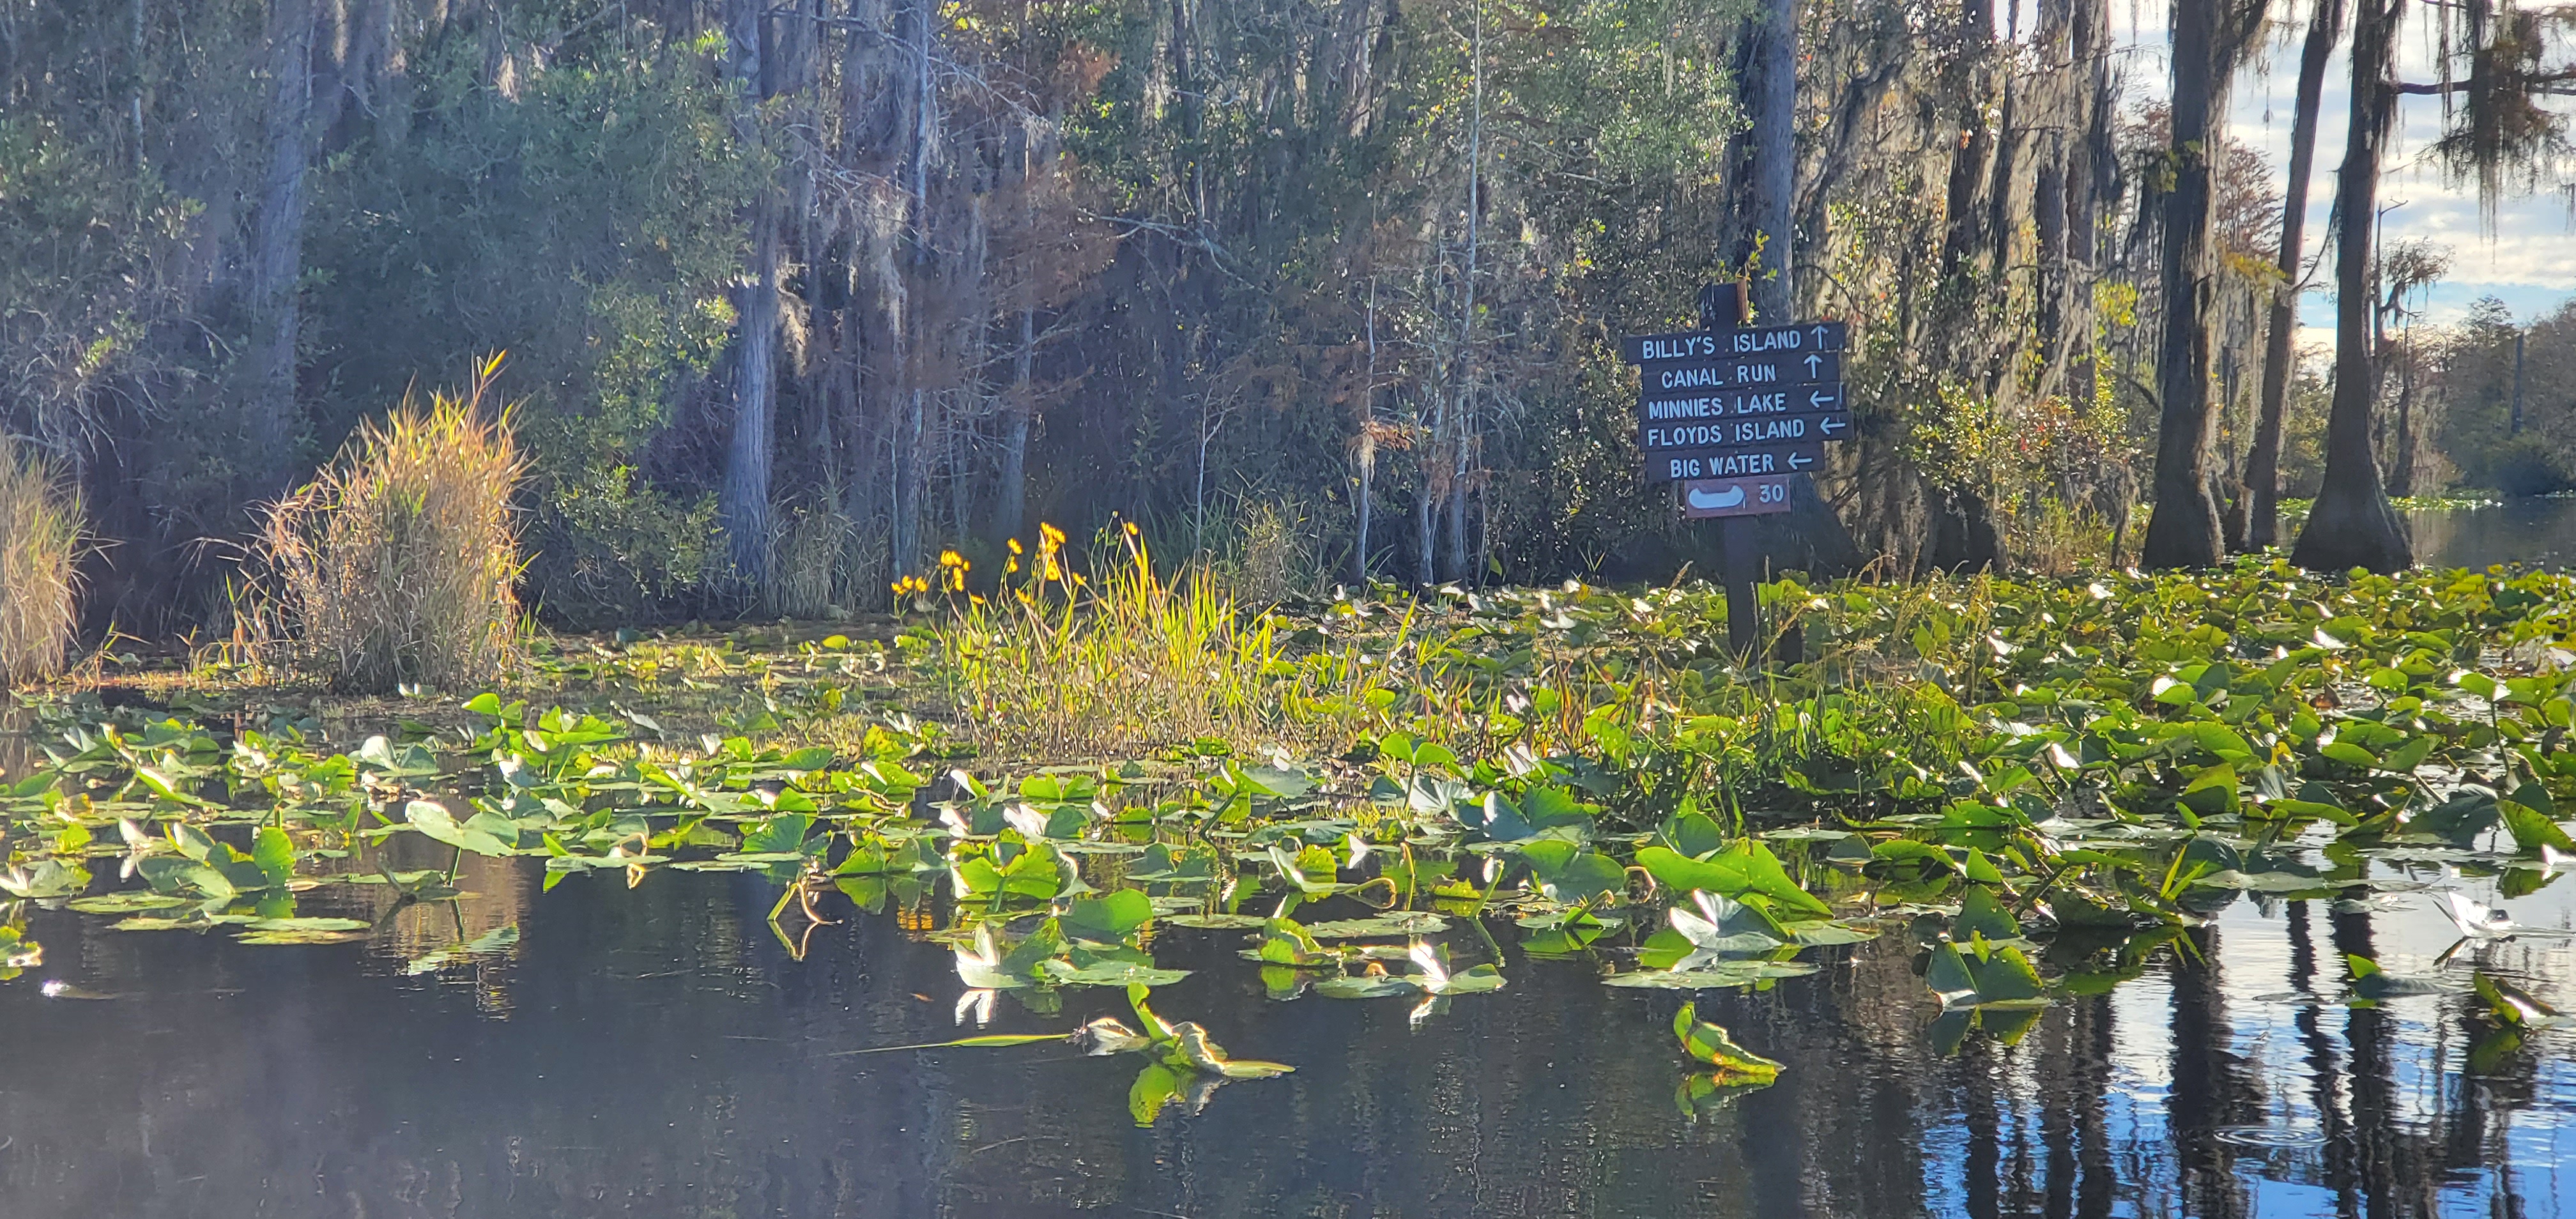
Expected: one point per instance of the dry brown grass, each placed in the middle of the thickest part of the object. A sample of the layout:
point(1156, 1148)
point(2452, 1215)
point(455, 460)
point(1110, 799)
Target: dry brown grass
point(40, 537)
point(397, 564)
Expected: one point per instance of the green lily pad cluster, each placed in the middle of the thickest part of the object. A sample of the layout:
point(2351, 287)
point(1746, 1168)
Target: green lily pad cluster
point(2045, 782)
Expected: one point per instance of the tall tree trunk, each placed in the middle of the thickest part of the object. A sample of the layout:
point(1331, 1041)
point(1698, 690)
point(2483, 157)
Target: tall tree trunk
point(1364, 455)
point(1972, 165)
point(277, 256)
point(2061, 104)
point(1364, 446)
point(1422, 563)
point(910, 462)
point(877, 130)
point(743, 500)
point(1465, 439)
point(2091, 180)
point(910, 480)
point(2280, 357)
point(2184, 530)
point(2401, 459)
point(1810, 536)
point(2352, 524)
point(1011, 504)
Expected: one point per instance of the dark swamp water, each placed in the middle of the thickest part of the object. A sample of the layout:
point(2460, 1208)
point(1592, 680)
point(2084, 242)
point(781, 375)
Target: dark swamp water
point(2540, 531)
point(657, 1052)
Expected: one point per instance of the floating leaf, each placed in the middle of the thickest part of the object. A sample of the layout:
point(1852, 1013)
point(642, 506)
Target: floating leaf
point(1283, 942)
point(1712, 1045)
point(1109, 973)
point(2371, 983)
point(1111, 916)
point(1983, 975)
point(1397, 923)
point(1568, 874)
point(436, 823)
point(308, 924)
point(1981, 915)
point(1744, 867)
point(1716, 975)
point(2526, 817)
point(498, 940)
point(301, 935)
point(2514, 1007)
point(1191, 1045)
point(1156, 1086)
point(127, 903)
point(1370, 986)
point(1722, 928)
point(1216, 922)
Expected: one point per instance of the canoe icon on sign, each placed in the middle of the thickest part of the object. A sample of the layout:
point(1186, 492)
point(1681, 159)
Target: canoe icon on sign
point(1707, 501)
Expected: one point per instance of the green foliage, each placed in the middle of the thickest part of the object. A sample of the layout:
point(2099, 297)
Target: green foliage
point(587, 223)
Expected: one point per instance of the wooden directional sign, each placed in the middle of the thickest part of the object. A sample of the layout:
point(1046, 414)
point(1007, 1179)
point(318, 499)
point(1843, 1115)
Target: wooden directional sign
point(1798, 339)
point(1733, 432)
point(1735, 416)
point(1689, 465)
point(1740, 372)
point(1736, 496)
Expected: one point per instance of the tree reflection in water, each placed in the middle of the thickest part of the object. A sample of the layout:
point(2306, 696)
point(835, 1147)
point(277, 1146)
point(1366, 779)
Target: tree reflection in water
point(653, 1053)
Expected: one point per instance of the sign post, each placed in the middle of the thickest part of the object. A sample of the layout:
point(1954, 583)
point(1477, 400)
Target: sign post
point(1734, 413)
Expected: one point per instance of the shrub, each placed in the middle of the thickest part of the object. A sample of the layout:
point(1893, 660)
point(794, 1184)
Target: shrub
point(2524, 465)
point(40, 530)
point(398, 562)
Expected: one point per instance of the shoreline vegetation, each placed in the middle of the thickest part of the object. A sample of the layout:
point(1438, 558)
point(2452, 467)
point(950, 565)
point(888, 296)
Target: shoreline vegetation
point(1042, 772)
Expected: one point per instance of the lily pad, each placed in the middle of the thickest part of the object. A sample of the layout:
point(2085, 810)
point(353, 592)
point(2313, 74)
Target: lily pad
point(1984, 975)
point(307, 924)
point(1711, 976)
point(2371, 983)
point(300, 937)
point(1375, 987)
point(1713, 1045)
point(1401, 922)
point(130, 902)
point(1108, 973)
point(1215, 922)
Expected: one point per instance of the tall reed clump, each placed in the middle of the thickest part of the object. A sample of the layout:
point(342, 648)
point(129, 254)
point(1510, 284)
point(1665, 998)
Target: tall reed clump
point(1059, 664)
point(40, 532)
point(397, 564)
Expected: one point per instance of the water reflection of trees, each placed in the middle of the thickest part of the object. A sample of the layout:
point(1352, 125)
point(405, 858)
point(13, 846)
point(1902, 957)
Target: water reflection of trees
point(2042, 1137)
point(660, 1055)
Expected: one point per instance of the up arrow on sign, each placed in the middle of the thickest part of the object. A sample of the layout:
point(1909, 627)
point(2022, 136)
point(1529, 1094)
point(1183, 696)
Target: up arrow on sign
point(1812, 362)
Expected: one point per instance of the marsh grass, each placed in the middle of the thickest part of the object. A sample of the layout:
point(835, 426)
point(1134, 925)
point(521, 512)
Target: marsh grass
point(40, 537)
point(817, 562)
point(2051, 539)
point(398, 563)
point(1126, 661)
